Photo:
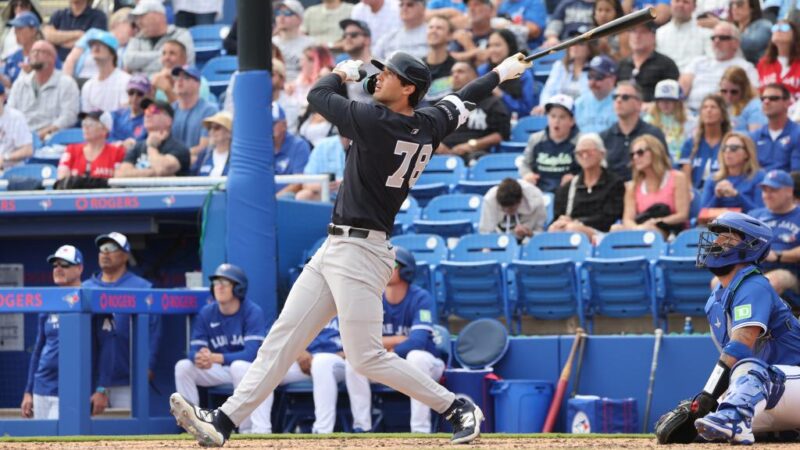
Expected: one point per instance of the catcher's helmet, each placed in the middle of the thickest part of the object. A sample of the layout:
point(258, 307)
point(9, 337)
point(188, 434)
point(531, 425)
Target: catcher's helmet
point(409, 68)
point(233, 273)
point(408, 265)
point(755, 238)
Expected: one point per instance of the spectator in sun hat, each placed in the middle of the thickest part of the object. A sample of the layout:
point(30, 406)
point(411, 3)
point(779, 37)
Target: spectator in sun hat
point(213, 160)
point(668, 114)
point(40, 400)
point(105, 91)
point(112, 331)
point(94, 158)
point(548, 159)
point(129, 120)
point(594, 110)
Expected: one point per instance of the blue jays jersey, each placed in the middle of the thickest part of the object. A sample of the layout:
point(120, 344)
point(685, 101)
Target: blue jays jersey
point(111, 333)
point(43, 369)
point(412, 317)
point(785, 231)
point(236, 336)
point(755, 303)
point(328, 340)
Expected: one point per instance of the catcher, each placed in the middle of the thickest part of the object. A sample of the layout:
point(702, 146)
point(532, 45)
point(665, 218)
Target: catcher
point(755, 385)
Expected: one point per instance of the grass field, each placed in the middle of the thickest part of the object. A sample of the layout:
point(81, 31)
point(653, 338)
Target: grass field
point(363, 441)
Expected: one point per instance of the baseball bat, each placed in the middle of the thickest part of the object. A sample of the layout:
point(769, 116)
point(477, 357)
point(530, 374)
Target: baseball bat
point(615, 26)
point(578, 366)
point(555, 405)
point(653, 366)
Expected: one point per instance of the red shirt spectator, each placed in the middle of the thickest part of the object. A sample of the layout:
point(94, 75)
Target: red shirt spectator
point(781, 62)
point(95, 157)
point(771, 73)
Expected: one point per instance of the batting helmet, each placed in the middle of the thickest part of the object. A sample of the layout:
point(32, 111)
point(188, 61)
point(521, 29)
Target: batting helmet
point(753, 246)
point(409, 68)
point(233, 273)
point(408, 265)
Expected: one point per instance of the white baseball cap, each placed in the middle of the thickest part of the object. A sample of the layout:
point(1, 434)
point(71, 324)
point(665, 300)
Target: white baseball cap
point(104, 117)
point(67, 253)
point(667, 90)
point(118, 238)
point(147, 6)
point(562, 100)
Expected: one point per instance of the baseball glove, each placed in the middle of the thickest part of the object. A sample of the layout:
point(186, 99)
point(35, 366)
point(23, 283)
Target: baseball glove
point(677, 426)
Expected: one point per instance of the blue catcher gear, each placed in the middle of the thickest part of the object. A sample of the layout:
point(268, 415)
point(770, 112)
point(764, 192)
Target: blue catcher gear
point(753, 245)
point(408, 265)
point(233, 273)
point(753, 384)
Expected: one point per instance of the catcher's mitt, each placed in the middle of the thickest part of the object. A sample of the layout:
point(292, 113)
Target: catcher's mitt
point(677, 426)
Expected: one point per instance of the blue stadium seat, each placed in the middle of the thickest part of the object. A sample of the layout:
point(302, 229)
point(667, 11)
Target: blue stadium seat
point(218, 71)
point(681, 288)
point(37, 141)
point(294, 272)
point(450, 215)
point(549, 204)
point(66, 136)
point(543, 66)
point(409, 211)
point(631, 243)
point(472, 284)
point(428, 251)
point(441, 175)
point(510, 147)
point(207, 41)
point(685, 243)
point(488, 171)
point(544, 283)
point(695, 206)
point(526, 126)
point(28, 176)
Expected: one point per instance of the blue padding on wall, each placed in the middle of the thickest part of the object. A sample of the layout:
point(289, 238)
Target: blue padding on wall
point(300, 225)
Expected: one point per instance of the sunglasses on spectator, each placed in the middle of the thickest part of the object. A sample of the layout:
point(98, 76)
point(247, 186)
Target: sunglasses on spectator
point(134, 92)
point(152, 109)
point(62, 264)
point(109, 247)
point(772, 98)
point(721, 37)
point(732, 147)
point(222, 282)
point(352, 34)
point(639, 152)
point(624, 97)
point(729, 91)
point(284, 13)
point(784, 27)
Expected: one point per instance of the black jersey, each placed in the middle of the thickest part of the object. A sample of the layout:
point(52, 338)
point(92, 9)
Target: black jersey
point(388, 153)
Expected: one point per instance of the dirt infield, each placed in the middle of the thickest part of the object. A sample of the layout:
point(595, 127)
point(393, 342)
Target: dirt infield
point(350, 442)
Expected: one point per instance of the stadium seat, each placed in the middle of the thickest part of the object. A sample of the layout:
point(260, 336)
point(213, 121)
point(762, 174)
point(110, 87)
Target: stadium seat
point(207, 41)
point(685, 243)
point(543, 283)
point(526, 126)
point(428, 251)
point(681, 288)
point(549, 204)
point(28, 176)
point(488, 171)
point(450, 215)
point(441, 175)
point(543, 66)
point(695, 206)
point(294, 272)
point(510, 147)
point(37, 141)
point(472, 284)
point(218, 71)
point(409, 211)
point(631, 243)
point(66, 136)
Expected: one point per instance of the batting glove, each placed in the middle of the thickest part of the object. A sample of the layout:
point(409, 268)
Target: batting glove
point(512, 67)
point(463, 108)
point(349, 69)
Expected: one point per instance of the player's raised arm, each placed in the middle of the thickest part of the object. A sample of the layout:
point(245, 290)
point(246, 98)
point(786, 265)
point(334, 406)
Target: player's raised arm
point(327, 96)
point(512, 67)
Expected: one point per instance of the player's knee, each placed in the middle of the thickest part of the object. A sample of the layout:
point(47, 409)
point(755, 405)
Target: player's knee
point(418, 358)
point(363, 363)
point(322, 363)
point(240, 366)
point(183, 368)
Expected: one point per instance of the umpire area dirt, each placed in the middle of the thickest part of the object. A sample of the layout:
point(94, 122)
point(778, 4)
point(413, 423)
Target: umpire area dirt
point(390, 444)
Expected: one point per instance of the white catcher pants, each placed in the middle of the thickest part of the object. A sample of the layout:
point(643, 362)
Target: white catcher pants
point(786, 414)
point(361, 397)
point(346, 277)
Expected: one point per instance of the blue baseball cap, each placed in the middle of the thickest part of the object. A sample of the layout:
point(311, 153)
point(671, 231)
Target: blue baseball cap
point(188, 70)
point(118, 238)
point(278, 113)
point(603, 64)
point(26, 19)
point(67, 253)
point(105, 38)
point(777, 179)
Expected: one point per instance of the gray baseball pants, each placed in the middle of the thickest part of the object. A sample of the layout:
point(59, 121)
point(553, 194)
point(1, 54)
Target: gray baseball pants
point(347, 276)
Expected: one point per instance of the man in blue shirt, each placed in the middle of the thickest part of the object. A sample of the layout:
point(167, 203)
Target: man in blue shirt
point(407, 331)
point(129, 122)
point(594, 113)
point(783, 217)
point(327, 157)
point(190, 110)
point(111, 332)
point(224, 342)
point(40, 400)
point(778, 141)
point(756, 381)
point(532, 14)
point(291, 152)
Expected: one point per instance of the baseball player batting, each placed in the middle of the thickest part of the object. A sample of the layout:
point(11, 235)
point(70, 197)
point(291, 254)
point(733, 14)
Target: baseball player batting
point(755, 385)
point(391, 145)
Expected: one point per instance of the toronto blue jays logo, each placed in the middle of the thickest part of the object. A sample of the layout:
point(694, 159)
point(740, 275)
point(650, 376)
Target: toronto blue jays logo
point(72, 298)
point(149, 300)
point(169, 201)
point(46, 204)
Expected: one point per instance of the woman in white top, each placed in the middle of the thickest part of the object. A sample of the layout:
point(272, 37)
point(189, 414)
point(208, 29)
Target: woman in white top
point(568, 76)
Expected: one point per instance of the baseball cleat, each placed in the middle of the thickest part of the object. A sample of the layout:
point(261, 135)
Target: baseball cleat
point(200, 423)
point(726, 424)
point(466, 418)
